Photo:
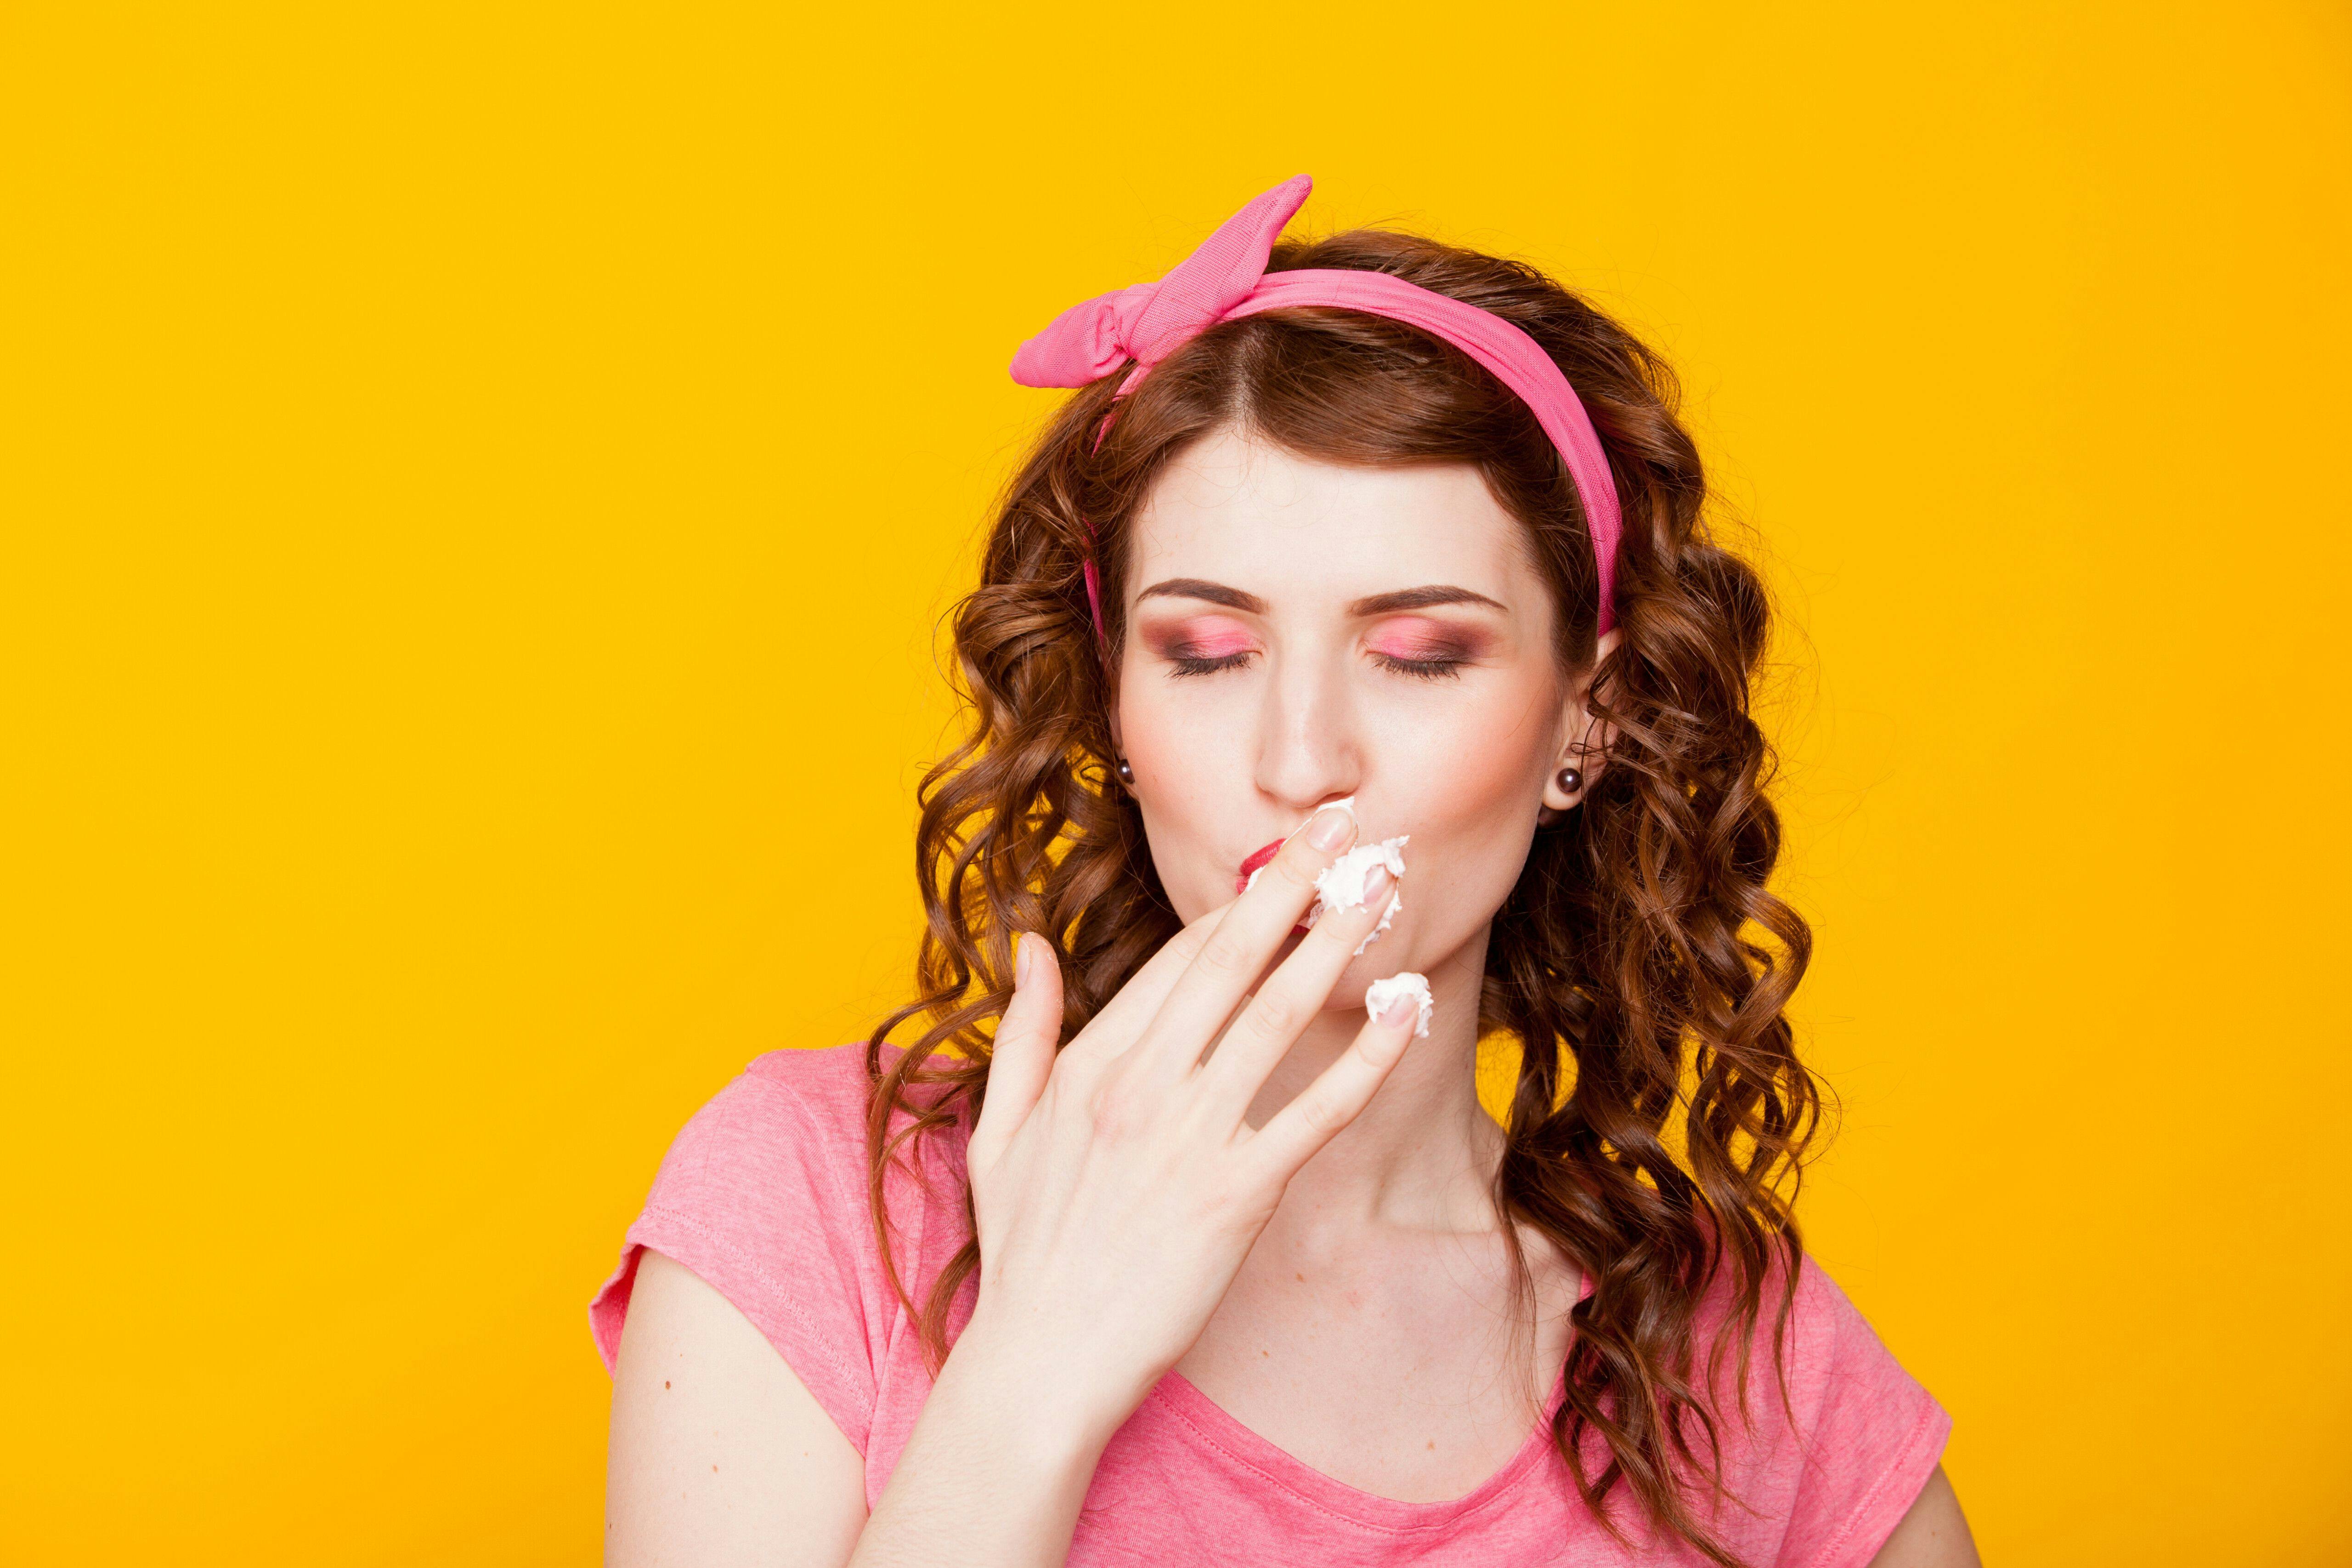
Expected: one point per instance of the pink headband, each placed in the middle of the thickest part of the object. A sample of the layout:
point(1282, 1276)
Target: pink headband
point(1226, 279)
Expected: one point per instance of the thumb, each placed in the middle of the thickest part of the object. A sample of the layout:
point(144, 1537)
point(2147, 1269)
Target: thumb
point(1023, 1056)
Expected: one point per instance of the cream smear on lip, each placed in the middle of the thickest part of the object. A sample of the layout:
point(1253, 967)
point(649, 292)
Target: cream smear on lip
point(1381, 993)
point(1341, 884)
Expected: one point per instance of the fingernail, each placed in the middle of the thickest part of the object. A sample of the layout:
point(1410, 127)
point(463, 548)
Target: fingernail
point(1398, 997)
point(1332, 826)
point(1021, 962)
point(1377, 884)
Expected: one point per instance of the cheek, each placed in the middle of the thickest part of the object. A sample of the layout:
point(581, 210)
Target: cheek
point(1475, 802)
point(1192, 764)
point(1467, 759)
point(1471, 794)
point(1177, 729)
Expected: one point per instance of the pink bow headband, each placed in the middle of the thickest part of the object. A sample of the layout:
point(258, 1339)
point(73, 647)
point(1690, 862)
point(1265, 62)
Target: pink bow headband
point(1226, 279)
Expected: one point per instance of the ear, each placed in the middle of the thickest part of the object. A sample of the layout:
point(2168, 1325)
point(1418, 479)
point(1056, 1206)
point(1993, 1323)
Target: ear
point(1113, 784)
point(1588, 739)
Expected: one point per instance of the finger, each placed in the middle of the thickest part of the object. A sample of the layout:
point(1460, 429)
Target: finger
point(1022, 1055)
point(1340, 1091)
point(1149, 987)
point(1132, 1006)
point(1290, 998)
point(1236, 952)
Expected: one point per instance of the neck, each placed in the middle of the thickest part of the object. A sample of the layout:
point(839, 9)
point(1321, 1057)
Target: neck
point(1423, 1154)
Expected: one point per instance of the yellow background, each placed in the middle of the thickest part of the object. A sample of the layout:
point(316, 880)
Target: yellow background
point(479, 481)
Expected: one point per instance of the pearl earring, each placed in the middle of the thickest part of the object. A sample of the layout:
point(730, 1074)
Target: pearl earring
point(1126, 774)
point(1569, 781)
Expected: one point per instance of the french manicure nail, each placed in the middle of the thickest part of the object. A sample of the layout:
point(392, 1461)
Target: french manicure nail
point(1387, 1000)
point(1332, 826)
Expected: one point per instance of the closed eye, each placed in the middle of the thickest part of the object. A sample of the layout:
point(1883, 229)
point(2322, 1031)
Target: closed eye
point(1423, 669)
point(1419, 669)
point(1192, 664)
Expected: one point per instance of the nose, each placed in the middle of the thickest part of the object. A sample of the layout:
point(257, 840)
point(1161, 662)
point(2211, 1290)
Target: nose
point(1310, 751)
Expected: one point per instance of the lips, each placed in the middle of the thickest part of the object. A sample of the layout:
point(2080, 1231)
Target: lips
point(1258, 858)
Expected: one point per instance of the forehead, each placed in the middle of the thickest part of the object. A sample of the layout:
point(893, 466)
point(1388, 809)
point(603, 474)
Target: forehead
point(1238, 510)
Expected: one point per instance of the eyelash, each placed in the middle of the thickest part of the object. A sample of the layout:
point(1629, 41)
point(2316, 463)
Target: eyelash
point(1419, 669)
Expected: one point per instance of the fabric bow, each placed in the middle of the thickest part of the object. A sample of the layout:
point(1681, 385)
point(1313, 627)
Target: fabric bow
point(1146, 322)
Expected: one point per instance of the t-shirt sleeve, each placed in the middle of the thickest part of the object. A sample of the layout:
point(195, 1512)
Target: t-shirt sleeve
point(1873, 1437)
point(762, 1194)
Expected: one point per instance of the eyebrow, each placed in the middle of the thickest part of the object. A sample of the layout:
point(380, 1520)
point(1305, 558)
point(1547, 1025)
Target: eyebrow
point(1419, 598)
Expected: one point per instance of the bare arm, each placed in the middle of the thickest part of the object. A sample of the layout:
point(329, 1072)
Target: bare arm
point(1933, 1534)
point(719, 1456)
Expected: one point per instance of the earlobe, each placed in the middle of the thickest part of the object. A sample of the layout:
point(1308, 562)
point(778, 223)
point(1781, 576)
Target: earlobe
point(1573, 778)
point(1564, 791)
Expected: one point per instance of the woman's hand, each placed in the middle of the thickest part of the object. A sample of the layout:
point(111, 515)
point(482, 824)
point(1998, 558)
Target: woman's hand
point(1117, 1186)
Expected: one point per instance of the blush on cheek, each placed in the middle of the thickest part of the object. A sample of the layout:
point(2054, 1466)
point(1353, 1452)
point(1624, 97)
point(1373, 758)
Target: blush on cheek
point(1470, 823)
point(1487, 778)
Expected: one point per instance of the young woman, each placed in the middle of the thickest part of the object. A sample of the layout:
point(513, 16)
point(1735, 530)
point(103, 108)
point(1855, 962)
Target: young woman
point(1351, 676)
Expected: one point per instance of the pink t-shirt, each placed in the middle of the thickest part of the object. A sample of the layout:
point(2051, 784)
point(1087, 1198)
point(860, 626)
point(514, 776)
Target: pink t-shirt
point(763, 1195)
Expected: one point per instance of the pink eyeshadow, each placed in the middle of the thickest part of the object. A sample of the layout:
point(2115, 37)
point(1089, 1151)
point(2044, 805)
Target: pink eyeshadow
point(1201, 639)
point(1213, 647)
point(1421, 639)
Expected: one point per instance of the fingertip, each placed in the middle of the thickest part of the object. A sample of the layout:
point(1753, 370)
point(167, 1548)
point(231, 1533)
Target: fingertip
point(1333, 827)
point(1038, 968)
point(1402, 1005)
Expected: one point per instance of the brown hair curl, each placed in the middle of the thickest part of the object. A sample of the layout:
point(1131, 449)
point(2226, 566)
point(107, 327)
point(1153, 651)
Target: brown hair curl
point(1640, 936)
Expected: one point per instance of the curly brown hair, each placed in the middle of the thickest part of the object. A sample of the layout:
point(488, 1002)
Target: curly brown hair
point(1640, 959)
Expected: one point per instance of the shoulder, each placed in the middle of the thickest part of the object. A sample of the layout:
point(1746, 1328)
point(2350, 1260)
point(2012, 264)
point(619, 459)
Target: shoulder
point(807, 1104)
point(1858, 1436)
point(1822, 1335)
point(766, 1193)
point(1824, 1325)
point(829, 1082)
point(784, 1136)
point(807, 1108)
point(1822, 1351)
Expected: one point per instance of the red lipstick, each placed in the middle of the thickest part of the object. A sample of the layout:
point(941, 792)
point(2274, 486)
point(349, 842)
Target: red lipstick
point(1258, 858)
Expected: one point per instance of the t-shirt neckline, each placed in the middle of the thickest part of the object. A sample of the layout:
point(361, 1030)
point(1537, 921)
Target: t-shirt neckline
point(1214, 1426)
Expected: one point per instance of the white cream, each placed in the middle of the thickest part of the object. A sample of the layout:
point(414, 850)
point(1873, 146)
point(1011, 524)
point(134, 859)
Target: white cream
point(1381, 993)
point(1341, 884)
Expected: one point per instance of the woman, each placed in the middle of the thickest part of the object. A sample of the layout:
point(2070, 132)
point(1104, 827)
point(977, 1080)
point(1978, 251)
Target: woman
point(1351, 675)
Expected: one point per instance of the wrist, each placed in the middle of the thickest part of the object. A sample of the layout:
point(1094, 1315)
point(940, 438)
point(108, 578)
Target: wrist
point(1057, 1402)
point(996, 1470)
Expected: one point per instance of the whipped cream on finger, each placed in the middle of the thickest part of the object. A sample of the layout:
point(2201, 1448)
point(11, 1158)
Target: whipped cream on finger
point(1381, 993)
point(1340, 886)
